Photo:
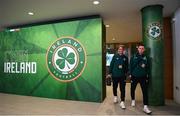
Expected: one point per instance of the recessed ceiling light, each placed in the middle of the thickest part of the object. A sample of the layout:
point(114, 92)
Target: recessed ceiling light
point(30, 13)
point(107, 25)
point(96, 2)
point(12, 30)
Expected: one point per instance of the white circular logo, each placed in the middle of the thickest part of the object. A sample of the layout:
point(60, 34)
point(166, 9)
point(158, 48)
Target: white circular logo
point(65, 59)
point(154, 31)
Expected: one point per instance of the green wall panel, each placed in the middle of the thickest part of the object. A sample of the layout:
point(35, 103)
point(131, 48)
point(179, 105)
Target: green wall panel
point(34, 44)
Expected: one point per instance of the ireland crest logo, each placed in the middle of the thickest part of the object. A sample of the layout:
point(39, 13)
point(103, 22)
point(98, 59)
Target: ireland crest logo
point(66, 59)
point(154, 31)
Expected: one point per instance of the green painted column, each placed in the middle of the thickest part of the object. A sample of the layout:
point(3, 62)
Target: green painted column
point(152, 25)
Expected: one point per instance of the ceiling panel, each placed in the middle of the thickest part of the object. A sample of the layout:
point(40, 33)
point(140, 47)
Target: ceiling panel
point(123, 16)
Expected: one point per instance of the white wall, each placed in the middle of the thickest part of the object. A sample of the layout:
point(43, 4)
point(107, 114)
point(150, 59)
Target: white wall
point(176, 55)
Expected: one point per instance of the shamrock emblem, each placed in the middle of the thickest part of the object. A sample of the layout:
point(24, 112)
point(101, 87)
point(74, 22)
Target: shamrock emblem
point(65, 58)
point(155, 31)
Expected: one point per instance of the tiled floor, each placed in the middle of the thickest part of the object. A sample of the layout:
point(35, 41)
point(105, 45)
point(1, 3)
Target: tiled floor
point(26, 105)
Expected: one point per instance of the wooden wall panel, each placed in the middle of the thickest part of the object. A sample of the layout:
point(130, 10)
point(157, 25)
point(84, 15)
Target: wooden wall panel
point(168, 59)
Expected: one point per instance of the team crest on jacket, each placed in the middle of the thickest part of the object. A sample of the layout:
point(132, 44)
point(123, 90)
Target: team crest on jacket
point(66, 59)
point(124, 59)
point(144, 58)
point(154, 31)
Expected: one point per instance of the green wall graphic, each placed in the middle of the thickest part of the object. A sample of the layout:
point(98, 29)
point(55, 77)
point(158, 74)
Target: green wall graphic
point(37, 60)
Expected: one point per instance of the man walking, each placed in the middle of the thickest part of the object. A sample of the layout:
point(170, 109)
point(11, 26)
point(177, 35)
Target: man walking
point(139, 73)
point(118, 70)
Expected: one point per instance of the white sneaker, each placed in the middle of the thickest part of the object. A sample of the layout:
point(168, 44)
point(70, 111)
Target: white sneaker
point(146, 110)
point(115, 99)
point(133, 103)
point(122, 105)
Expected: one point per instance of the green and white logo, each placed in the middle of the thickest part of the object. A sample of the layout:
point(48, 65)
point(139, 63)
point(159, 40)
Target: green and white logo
point(154, 31)
point(66, 59)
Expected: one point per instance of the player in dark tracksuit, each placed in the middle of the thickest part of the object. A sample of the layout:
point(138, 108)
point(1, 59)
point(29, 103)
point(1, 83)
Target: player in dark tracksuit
point(118, 70)
point(139, 71)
